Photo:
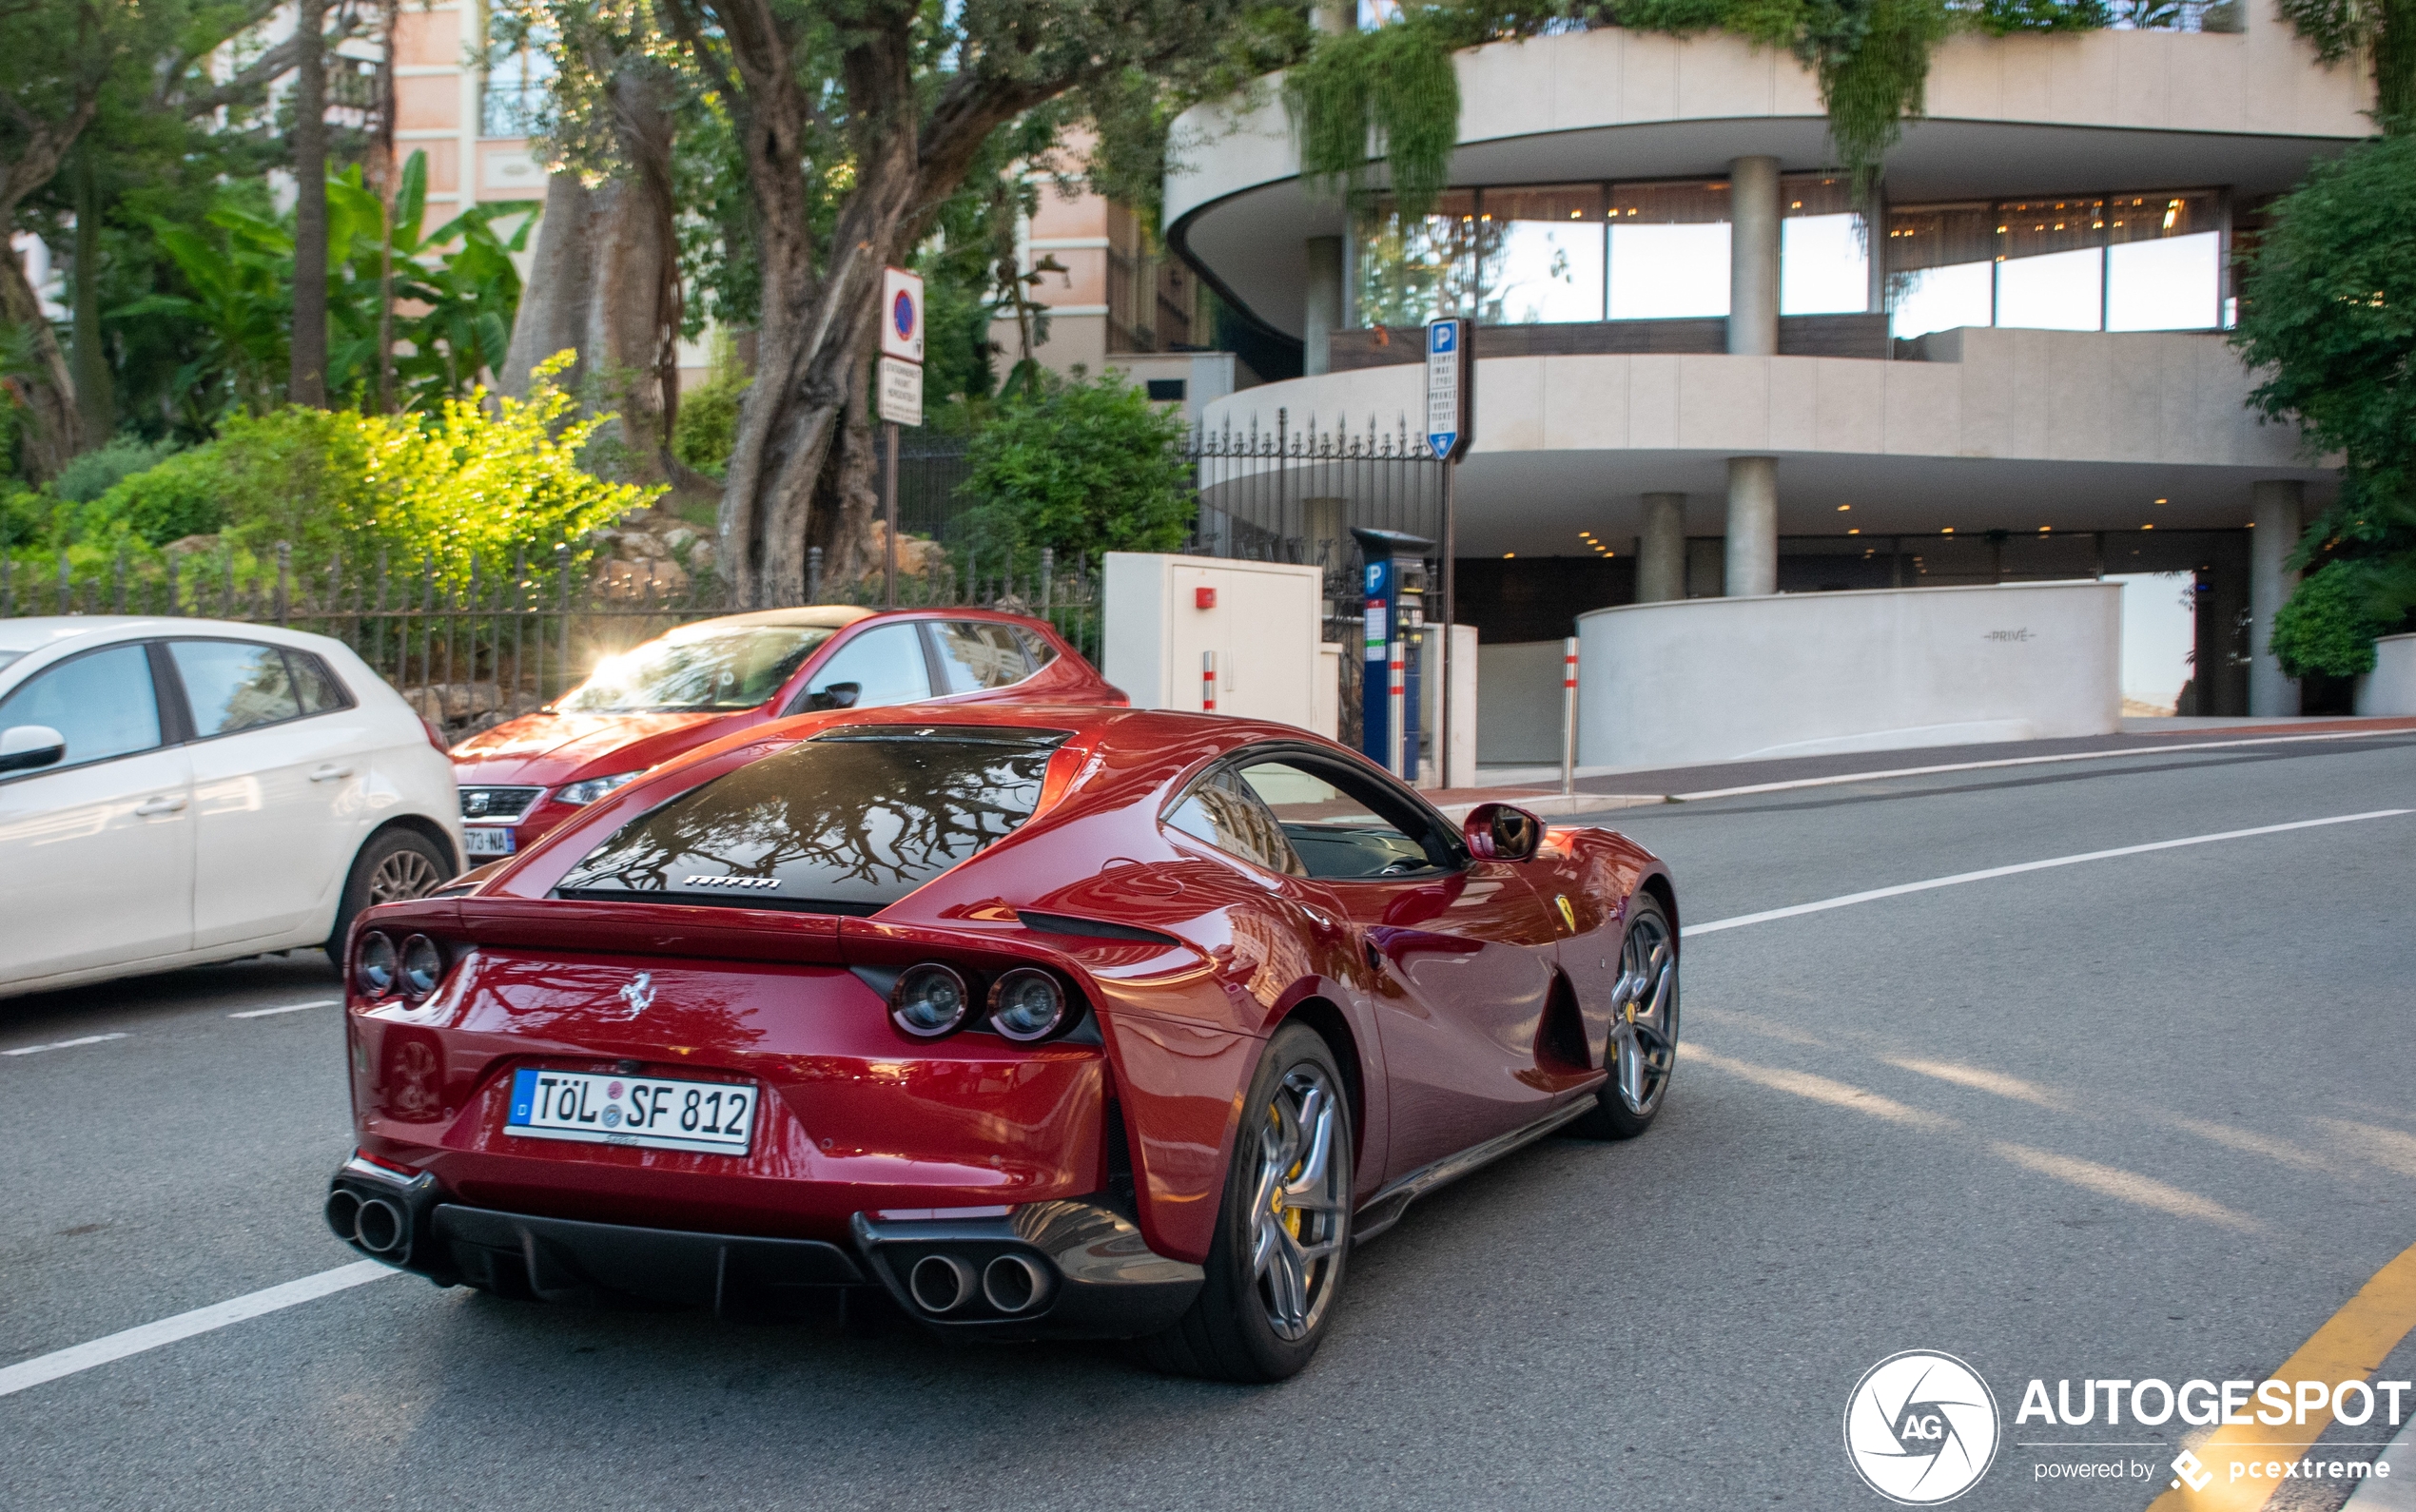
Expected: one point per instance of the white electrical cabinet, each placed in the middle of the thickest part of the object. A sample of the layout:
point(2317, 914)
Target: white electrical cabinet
point(1186, 632)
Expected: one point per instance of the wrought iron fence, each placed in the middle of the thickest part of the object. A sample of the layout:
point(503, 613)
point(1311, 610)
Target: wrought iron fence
point(471, 650)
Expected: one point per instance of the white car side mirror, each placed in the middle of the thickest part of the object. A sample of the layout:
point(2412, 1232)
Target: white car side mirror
point(23, 748)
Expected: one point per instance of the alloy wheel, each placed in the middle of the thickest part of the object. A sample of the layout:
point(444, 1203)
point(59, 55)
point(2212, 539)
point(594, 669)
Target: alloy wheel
point(402, 875)
point(1644, 1034)
point(1297, 1211)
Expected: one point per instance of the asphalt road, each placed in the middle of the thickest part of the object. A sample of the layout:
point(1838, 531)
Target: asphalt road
point(2153, 1116)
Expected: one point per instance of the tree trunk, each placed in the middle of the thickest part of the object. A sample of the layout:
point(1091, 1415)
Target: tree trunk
point(849, 497)
point(47, 395)
point(96, 409)
point(606, 285)
point(308, 382)
point(817, 326)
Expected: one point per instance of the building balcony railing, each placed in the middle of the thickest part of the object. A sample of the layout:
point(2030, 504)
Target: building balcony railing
point(1863, 336)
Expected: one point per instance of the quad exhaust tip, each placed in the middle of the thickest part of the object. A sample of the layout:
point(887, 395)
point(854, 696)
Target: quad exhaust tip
point(939, 1283)
point(1012, 1282)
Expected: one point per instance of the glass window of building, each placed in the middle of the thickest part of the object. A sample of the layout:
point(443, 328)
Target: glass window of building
point(1413, 269)
point(2130, 262)
point(2164, 262)
point(1824, 260)
point(2050, 269)
point(1543, 254)
point(1668, 250)
point(512, 102)
point(1940, 273)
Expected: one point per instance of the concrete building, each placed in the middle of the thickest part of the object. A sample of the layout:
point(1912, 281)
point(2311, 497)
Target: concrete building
point(1704, 371)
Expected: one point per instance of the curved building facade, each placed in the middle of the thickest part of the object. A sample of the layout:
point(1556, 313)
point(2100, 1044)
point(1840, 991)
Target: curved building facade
point(1703, 369)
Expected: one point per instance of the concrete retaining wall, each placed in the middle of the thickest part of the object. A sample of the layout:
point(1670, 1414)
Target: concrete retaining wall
point(1721, 679)
point(2391, 688)
point(1518, 704)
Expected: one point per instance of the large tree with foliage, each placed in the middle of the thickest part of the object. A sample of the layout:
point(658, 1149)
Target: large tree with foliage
point(856, 121)
point(2328, 319)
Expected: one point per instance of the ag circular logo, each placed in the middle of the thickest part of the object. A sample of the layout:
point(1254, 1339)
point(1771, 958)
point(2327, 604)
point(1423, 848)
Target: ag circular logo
point(1920, 1427)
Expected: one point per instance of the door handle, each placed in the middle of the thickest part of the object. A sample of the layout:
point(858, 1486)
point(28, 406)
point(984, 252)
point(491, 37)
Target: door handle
point(152, 807)
point(330, 774)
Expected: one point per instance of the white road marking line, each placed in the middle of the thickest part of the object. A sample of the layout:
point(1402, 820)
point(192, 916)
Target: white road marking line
point(2024, 761)
point(61, 1044)
point(287, 1008)
point(1899, 889)
point(80, 1357)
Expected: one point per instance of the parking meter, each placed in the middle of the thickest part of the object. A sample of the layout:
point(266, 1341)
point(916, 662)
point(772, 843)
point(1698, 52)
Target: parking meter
point(1392, 592)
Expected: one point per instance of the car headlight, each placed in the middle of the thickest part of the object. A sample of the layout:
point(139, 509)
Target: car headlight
point(373, 968)
point(1026, 1004)
point(930, 1001)
point(578, 795)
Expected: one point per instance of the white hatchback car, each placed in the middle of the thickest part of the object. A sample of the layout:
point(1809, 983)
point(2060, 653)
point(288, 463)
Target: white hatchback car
point(174, 791)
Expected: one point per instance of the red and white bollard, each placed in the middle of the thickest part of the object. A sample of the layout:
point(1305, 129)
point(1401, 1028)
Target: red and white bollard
point(1569, 716)
point(1207, 682)
point(1397, 755)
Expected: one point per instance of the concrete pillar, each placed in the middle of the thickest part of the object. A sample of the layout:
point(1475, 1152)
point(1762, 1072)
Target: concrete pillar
point(1753, 526)
point(2273, 503)
point(1661, 556)
point(1753, 256)
point(1322, 304)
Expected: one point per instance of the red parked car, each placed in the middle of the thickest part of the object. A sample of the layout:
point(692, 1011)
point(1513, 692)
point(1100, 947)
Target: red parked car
point(700, 682)
point(1080, 1021)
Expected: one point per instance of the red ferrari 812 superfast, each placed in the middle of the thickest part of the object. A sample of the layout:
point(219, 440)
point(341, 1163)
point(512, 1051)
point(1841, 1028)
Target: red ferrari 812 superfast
point(1088, 1021)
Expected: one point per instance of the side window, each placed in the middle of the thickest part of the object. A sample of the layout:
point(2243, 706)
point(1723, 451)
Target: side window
point(1036, 647)
point(102, 702)
point(1221, 810)
point(319, 691)
point(234, 686)
point(1335, 826)
point(884, 663)
point(974, 656)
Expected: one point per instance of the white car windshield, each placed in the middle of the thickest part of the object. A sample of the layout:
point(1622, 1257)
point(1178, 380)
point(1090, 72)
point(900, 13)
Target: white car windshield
point(700, 666)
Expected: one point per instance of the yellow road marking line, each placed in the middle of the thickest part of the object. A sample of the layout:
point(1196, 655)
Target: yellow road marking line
point(2349, 1346)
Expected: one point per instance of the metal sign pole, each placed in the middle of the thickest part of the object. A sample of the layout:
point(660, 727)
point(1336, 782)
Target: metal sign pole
point(890, 516)
point(1451, 425)
point(1443, 772)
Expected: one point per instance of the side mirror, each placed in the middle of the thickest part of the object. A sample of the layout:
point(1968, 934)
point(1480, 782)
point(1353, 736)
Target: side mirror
point(836, 696)
point(1500, 832)
point(24, 747)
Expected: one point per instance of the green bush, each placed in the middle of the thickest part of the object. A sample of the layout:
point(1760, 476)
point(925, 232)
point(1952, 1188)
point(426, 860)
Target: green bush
point(483, 481)
point(178, 497)
point(2330, 624)
point(706, 430)
point(95, 473)
point(1082, 466)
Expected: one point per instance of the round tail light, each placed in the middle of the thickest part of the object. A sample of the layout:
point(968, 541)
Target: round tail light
point(374, 967)
point(422, 966)
point(1026, 1004)
point(930, 1001)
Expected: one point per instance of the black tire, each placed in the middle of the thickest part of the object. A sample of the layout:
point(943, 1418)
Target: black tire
point(395, 864)
point(1643, 1052)
point(1231, 1332)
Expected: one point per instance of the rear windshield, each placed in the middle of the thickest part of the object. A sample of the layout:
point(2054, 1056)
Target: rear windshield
point(698, 666)
point(847, 822)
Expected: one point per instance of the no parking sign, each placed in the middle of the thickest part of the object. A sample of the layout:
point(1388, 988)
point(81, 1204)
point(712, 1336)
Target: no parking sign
point(901, 314)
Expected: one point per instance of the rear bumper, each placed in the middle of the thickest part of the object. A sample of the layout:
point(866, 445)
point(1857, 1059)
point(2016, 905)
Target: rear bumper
point(1076, 1269)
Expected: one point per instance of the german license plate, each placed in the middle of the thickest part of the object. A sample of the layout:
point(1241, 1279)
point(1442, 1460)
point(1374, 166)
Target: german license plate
point(718, 1116)
point(487, 839)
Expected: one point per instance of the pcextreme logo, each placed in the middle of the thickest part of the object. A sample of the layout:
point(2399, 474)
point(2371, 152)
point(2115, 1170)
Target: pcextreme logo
point(1920, 1427)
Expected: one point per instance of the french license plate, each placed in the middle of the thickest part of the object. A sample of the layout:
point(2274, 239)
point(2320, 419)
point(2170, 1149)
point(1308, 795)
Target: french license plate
point(718, 1116)
point(487, 839)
